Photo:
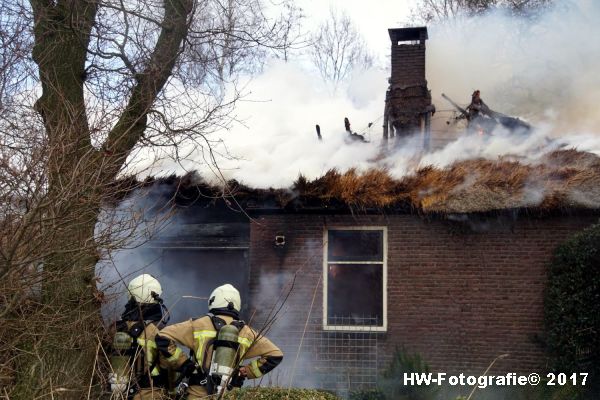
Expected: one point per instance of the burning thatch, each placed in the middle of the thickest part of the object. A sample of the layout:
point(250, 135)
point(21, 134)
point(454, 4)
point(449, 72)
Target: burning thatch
point(563, 179)
point(566, 179)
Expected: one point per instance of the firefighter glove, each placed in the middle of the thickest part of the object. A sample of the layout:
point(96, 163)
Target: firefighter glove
point(187, 368)
point(237, 380)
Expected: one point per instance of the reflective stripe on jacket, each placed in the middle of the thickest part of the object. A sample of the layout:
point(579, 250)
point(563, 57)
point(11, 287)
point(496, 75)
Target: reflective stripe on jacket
point(198, 336)
point(147, 344)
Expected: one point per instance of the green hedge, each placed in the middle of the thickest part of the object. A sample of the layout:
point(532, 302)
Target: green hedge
point(367, 394)
point(268, 393)
point(572, 305)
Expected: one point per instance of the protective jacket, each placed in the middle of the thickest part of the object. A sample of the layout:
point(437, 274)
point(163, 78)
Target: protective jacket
point(199, 335)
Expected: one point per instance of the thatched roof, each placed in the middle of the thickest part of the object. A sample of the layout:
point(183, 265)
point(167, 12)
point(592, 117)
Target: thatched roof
point(565, 179)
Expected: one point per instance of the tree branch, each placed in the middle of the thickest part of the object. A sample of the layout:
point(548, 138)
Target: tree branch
point(132, 123)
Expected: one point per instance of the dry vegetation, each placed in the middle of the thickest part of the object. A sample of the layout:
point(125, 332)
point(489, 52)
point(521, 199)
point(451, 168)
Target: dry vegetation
point(85, 86)
point(565, 179)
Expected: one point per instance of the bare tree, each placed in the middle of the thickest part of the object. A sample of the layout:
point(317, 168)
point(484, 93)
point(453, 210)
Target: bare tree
point(293, 35)
point(87, 88)
point(239, 39)
point(338, 47)
point(435, 10)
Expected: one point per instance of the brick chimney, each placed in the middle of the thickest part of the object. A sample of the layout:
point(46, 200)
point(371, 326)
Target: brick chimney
point(408, 107)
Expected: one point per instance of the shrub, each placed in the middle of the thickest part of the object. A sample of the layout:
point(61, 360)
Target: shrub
point(273, 393)
point(373, 394)
point(571, 305)
point(392, 383)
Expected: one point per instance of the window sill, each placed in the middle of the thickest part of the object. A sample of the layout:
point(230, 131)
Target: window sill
point(341, 328)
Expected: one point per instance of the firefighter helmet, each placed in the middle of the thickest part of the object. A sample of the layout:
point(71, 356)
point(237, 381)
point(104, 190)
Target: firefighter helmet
point(225, 296)
point(144, 288)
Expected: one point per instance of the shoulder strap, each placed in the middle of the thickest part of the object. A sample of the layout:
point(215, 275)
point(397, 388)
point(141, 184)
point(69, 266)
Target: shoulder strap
point(239, 324)
point(121, 326)
point(136, 329)
point(134, 332)
point(217, 322)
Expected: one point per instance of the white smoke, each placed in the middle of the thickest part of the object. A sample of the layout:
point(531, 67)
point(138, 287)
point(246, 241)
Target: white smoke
point(277, 140)
point(542, 69)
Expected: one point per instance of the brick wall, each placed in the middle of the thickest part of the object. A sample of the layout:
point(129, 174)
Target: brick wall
point(408, 64)
point(459, 294)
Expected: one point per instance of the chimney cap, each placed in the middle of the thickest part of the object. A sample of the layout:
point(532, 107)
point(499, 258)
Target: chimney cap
point(406, 34)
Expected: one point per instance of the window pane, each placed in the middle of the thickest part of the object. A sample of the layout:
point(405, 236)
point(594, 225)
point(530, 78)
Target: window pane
point(355, 245)
point(355, 294)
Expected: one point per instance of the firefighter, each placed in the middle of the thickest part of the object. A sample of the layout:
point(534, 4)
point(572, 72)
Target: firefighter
point(135, 372)
point(218, 342)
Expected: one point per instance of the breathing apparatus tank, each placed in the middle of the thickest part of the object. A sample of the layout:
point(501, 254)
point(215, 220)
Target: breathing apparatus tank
point(120, 362)
point(224, 357)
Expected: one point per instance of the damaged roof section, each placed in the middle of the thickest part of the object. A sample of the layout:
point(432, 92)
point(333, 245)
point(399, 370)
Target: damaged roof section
point(565, 179)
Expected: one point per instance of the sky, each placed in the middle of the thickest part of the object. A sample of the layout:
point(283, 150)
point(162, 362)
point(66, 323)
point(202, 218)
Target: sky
point(372, 18)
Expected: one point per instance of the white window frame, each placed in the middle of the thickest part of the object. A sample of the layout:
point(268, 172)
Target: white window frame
point(368, 328)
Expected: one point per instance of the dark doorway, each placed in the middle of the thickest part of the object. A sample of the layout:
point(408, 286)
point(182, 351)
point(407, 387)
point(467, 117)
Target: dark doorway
point(196, 272)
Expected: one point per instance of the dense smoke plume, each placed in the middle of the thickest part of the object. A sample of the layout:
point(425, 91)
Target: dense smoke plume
point(541, 69)
point(152, 236)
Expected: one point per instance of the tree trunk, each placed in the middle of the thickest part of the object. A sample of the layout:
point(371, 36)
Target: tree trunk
point(57, 353)
point(61, 354)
